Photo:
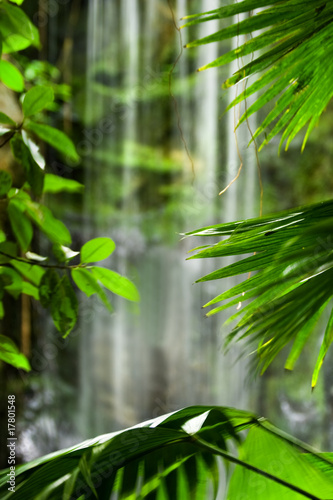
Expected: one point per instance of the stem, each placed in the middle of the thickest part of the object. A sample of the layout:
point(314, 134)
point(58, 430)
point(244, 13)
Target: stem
point(217, 451)
point(38, 263)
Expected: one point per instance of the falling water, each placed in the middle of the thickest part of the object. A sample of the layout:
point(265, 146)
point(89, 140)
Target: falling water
point(144, 361)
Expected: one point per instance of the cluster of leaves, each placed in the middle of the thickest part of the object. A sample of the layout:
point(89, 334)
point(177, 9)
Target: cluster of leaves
point(22, 209)
point(129, 464)
point(291, 45)
point(293, 254)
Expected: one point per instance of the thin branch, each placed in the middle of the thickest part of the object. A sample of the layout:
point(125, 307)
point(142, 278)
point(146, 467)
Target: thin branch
point(37, 263)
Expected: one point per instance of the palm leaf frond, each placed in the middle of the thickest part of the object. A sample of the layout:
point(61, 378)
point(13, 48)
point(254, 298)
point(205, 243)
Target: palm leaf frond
point(291, 64)
point(171, 457)
point(293, 254)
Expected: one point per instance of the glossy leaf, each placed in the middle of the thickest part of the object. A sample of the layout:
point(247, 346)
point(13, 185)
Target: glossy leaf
point(34, 174)
point(11, 355)
point(97, 249)
point(88, 284)
point(55, 138)
point(11, 76)
point(21, 225)
point(5, 182)
point(55, 184)
point(116, 283)
point(129, 463)
point(64, 306)
point(37, 99)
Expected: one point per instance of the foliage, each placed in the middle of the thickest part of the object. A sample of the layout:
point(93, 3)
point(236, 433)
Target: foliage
point(292, 252)
point(291, 48)
point(175, 456)
point(48, 279)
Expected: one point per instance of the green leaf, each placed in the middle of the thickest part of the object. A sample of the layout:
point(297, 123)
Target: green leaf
point(11, 280)
point(116, 283)
point(17, 31)
point(6, 120)
point(34, 174)
point(55, 138)
point(62, 253)
point(18, 2)
point(64, 306)
point(88, 284)
point(47, 286)
point(8, 249)
point(11, 355)
point(21, 225)
point(5, 182)
point(54, 229)
point(31, 272)
point(30, 289)
point(97, 249)
point(11, 76)
point(36, 99)
point(327, 341)
point(55, 184)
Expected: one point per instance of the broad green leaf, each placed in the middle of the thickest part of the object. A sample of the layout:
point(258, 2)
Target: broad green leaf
point(6, 120)
point(97, 249)
point(36, 99)
point(31, 272)
point(54, 229)
point(17, 31)
point(55, 184)
point(11, 355)
point(11, 76)
point(55, 138)
point(5, 182)
point(47, 286)
point(64, 306)
point(11, 280)
point(18, 2)
point(21, 225)
point(34, 174)
point(88, 284)
point(30, 289)
point(116, 283)
point(8, 249)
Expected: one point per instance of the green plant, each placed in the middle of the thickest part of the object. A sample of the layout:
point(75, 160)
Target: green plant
point(48, 279)
point(174, 456)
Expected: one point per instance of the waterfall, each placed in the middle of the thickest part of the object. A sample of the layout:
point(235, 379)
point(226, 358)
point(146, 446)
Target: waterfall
point(147, 360)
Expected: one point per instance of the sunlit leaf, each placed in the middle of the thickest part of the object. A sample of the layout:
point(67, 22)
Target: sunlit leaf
point(17, 31)
point(56, 138)
point(36, 99)
point(97, 249)
point(11, 355)
point(88, 283)
point(11, 76)
point(55, 184)
point(116, 283)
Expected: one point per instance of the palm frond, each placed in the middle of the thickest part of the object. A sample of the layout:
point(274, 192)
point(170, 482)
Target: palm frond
point(172, 457)
point(293, 254)
point(292, 45)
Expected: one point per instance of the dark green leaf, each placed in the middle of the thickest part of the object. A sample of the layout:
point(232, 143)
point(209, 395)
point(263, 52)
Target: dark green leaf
point(48, 285)
point(55, 138)
point(64, 306)
point(36, 99)
point(97, 249)
point(11, 355)
point(116, 283)
point(11, 281)
point(34, 174)
point(6, 120)
point(5, 182)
